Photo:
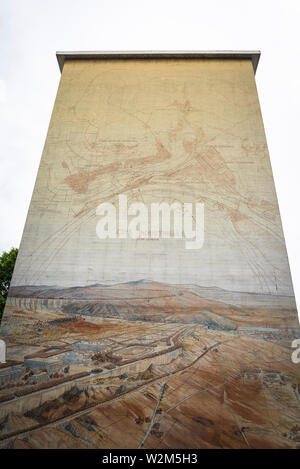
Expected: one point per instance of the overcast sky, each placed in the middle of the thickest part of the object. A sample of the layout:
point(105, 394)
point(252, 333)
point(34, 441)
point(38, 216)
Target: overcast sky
point(32, 30)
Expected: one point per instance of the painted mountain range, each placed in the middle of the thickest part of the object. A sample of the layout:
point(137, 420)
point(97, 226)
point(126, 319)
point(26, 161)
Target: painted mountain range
point(145, 300)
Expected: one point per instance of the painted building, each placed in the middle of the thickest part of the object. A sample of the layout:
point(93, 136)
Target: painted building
point(204, 334)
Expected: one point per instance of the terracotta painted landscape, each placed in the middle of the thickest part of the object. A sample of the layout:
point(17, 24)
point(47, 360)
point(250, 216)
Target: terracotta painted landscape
point(132, 365)
point(141, 343)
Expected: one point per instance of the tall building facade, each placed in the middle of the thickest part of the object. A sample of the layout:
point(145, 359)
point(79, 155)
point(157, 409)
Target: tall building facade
point(121, 335)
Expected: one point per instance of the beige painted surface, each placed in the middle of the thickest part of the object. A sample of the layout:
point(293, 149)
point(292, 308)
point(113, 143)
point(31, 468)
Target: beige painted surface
point(157, 131)
point(197, 353)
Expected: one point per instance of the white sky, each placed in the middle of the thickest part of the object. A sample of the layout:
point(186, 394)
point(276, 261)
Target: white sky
point(32, 30)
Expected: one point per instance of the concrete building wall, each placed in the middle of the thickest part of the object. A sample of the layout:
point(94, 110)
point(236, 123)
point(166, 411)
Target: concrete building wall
point(156, 131)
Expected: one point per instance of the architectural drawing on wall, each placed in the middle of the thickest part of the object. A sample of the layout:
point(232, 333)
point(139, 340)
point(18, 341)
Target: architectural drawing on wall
point(142, 343)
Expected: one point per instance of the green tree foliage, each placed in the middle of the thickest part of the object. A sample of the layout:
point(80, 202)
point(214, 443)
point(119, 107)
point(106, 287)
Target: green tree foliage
point(7, 263)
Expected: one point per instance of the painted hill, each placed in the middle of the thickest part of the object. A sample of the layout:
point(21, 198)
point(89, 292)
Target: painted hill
point(152, 301)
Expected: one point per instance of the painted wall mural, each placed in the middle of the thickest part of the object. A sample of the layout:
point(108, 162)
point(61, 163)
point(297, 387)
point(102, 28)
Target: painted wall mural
point(142, 343)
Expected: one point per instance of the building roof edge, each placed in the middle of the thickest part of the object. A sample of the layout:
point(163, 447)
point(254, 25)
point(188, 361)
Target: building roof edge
point(105, 55)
